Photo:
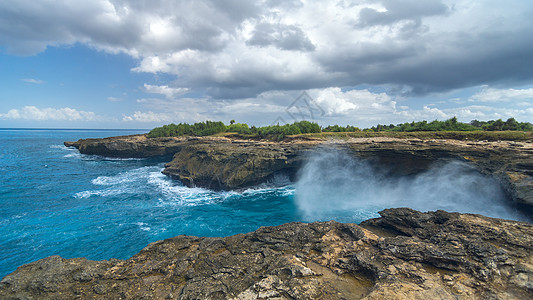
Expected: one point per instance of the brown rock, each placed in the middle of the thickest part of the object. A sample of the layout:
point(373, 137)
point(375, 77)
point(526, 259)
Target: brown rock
point(405, 254)
point(229, 163)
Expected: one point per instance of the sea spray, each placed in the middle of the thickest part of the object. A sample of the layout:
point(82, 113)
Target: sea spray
point(335, 184)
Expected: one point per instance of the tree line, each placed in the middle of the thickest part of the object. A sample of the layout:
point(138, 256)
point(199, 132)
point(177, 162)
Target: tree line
point(454, 125)
point(210, 128)
point(280, 131)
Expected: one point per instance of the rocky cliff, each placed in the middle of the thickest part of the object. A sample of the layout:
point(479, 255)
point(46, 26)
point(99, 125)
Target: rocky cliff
point(233, 164)
point(404, 254)
point(134, 146)
point(229, 163)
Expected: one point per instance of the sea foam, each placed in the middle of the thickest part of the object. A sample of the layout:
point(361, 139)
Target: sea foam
point(335, 185)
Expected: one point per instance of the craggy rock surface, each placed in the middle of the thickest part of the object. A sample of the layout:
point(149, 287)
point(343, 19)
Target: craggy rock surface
point(135, 146)
point(405, 254)
point(229, 163)
point(509, 162)
point(226, 164)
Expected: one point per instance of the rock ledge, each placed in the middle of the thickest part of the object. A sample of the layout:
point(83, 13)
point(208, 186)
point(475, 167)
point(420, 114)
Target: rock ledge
point(404, 254)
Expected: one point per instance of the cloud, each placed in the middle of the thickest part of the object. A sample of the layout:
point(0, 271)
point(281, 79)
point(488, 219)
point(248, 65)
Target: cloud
point(464, 114)
point(502, 95)
point(285, 37)
point(35, 81)
point(236, 50)
point(114, 99)
point(393, 11)
point(148, 117)
point(165, 90)
point(45, 114)
point(337, 103)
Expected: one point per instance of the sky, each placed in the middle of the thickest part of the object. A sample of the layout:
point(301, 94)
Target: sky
point(142, 64)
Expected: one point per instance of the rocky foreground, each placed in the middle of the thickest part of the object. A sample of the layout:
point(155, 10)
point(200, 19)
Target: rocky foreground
point(223, 163)
point(404, 254)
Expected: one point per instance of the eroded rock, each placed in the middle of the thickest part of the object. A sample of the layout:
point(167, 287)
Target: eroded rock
point(405, 254)
point(223, 163)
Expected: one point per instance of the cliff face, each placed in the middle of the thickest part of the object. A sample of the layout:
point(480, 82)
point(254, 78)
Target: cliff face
point(134, 146)
point(405, 254)
point(224, 163)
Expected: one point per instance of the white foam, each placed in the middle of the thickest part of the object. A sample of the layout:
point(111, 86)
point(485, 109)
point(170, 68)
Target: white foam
point(334, 183)
point(149, 180)
point(128, 182)
point(117, 158)
point(62, 147)
point(105, 193)
point(72, 155)
point(140, 174)
point(177, 194)
point(73, 151)
point(143, 226)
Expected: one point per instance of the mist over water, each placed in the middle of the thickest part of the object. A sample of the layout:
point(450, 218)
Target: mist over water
point(334, 184)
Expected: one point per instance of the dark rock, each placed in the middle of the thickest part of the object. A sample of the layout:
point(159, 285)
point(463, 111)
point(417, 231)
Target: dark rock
point(132, 146)
point(223, 163)
point(405, 254)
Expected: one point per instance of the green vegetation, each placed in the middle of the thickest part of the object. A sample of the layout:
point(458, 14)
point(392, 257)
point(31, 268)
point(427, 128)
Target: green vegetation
point(454, 125)
point(451, 129)
point(337, 128)
point(209, 128)
point(197, 129)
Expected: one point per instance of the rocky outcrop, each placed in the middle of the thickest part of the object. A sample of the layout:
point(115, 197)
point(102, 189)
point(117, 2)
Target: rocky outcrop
point(230, 163)
point(508, 161)
point(227, 164)
point(134, 146)
point(405, 254)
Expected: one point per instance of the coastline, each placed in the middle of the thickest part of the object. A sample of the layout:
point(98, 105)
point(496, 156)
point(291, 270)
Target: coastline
point(234, 162)
point(403, 254)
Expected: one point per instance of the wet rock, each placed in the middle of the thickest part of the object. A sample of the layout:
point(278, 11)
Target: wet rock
point(404, 254)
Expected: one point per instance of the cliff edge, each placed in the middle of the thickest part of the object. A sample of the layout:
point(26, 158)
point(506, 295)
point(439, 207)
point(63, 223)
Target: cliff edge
point(225, 163)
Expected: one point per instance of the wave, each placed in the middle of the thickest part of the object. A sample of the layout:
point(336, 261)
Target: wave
point(175, 193)
point(72, 155)
point(126, 177)
point(151, 182)
point(335, 185)
point(143, 226)
point(73, 151)
point(129, 182)
point(62, 147)
point(89, 157)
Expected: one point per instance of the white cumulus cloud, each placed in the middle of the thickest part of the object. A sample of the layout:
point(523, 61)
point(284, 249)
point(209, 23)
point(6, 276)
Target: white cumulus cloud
point(114, 99)
point(488, 94)
point(168, 92)
point(148, 117)
point(32, 80)
point(45, 114)
point(336, 102)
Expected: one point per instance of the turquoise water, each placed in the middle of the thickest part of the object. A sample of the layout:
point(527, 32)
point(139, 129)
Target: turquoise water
point(55, 201)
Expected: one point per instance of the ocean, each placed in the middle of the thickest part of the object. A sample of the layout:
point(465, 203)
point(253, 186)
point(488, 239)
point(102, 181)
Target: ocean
point(56, 201)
